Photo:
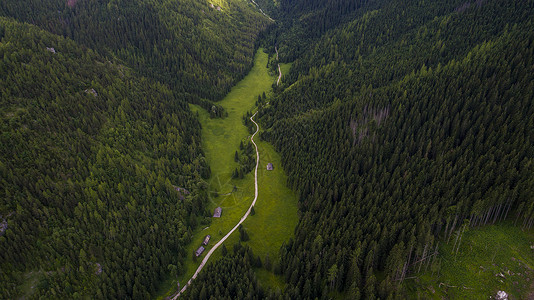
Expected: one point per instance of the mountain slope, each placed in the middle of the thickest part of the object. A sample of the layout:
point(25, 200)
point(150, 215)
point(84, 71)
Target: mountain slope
point(90, 157)
point(200, 48)
point(396, 127)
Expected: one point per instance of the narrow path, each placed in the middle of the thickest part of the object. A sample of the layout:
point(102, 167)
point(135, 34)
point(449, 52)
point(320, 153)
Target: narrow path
point(207, 257)
point(279, 75)
point(261, 10)
point(279, 70)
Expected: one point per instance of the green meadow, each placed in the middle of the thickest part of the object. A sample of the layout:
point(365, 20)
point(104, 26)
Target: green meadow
point(490, 259)
point(285, 70)
point(276, 208)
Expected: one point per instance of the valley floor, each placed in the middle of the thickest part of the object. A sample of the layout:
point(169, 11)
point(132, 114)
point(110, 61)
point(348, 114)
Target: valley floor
point(276, 209)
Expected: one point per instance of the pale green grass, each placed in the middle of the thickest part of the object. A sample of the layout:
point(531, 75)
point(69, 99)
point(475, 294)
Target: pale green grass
point(276, 207)
point(285, 70)
point(31, 281)
point(269, 279)
point(471, 274)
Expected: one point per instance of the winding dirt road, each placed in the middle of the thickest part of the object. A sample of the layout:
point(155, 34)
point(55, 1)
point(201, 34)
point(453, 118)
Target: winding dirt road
point(279, 70)
point(279, 76)
point(207, 257)
point(261, 10)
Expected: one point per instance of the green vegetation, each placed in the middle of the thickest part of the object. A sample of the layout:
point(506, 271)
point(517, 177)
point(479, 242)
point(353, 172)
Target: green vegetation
point(285, 68)
point(490, 259)
point(33, 282)
point(195, 48)
point(101, 169)
point(276, 210)
point(88, 172)
point(276, 213)
point(231, 277)
point(398, 123)
point(405, 129)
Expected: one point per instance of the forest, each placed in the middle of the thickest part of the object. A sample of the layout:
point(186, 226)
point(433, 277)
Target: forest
point(399, 128)
point(239, 282)
point(401, 125)
point(195, 48)
point(90, 158)
point(98, 142)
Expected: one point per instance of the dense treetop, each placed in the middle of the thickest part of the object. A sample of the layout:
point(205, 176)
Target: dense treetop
point(397, 127)
point(400, 124)
point(90, 157)
point(200, 48)
point(231, 277)
point(97, 136)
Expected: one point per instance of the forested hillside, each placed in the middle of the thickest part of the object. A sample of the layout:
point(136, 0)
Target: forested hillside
point(90, 157)
point(200, 48)
point(400, 124)
point(101, 167)
point(397, 128)
point(303, 22)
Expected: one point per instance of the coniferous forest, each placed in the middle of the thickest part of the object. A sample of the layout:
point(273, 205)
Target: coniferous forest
point(400, 125)
point(197, 48)
point(91, 153)
point(96, 138)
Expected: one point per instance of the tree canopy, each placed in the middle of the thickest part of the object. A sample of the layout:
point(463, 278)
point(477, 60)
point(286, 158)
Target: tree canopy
point(400, 123)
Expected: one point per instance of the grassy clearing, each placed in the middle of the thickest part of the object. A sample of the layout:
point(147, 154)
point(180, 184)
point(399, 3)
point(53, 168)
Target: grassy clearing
point(285, 69)
point(270, 280)
point(276, 207)
point(490, 259)
point(276, 213)
point(30, 284)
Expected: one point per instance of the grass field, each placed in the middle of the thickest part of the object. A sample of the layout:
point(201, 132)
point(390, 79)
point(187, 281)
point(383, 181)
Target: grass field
point(490, 259)
point(285, 70)
point(276, 207)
